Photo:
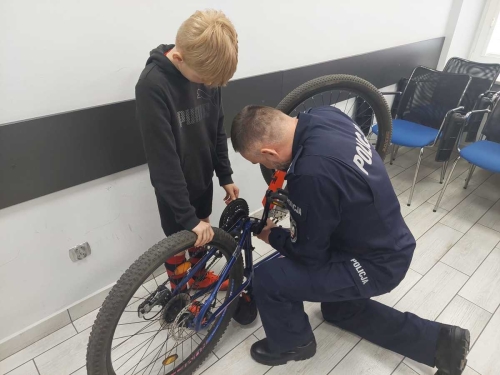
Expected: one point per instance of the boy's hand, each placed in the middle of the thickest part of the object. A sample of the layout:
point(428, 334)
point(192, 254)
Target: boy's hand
point(204, 232)
point(264, 235)
point(232, 193)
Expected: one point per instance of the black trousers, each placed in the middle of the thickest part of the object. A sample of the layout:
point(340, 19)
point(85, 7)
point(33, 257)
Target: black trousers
point(280, 286)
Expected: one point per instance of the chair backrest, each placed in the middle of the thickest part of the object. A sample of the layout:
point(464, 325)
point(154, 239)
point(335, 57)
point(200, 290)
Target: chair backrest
point(430, 94)
point(491, 129)
point(483, 77)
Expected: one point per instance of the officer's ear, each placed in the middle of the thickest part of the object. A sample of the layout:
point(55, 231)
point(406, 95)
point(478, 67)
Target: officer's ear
point(269, 152)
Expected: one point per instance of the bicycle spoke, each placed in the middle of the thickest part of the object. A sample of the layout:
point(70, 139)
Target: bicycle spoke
point(141, 345)
point(346, 102)
point(116, 338)
point(354, 102)
point(140, 360)
point(170, 351)
point(144, 354)
point(146, 289)
point(338, 97)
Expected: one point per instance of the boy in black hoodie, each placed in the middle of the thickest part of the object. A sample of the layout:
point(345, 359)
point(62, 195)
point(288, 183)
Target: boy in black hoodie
point(179, 109)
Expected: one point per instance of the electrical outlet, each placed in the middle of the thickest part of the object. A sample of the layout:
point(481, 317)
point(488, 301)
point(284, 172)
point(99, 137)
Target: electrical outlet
point(79, 252)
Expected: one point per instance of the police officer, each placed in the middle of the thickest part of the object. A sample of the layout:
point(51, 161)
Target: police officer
point(347, 242)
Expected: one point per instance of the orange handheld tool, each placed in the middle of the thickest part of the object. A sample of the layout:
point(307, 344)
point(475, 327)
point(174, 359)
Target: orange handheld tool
point(276, 183)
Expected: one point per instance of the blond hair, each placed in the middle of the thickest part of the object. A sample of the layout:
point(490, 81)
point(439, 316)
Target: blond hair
point(208, 43)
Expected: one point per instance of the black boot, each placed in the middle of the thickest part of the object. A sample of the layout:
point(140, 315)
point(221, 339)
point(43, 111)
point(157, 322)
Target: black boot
point(261, 353)
point(452, 349)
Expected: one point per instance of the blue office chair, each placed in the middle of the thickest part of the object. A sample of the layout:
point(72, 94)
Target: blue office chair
point(485, 152)
point(483, 76)
point(429, 97)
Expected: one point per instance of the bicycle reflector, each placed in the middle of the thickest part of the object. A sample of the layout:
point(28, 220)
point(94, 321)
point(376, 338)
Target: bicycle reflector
point(170, 359)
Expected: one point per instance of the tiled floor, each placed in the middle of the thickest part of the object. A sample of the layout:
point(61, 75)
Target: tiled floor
point(454, 278)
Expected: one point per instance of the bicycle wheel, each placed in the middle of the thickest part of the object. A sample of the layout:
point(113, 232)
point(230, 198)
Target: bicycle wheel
point(154, 342)
point(356, 97)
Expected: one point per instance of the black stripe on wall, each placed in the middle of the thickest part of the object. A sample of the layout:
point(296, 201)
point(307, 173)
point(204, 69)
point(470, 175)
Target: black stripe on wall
point(48, 154)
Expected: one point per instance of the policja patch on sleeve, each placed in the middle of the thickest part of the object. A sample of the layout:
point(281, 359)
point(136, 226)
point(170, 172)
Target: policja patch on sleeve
point(293, 230)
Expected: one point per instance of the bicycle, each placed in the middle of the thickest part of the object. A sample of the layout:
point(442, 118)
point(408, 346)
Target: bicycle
point(143, 327)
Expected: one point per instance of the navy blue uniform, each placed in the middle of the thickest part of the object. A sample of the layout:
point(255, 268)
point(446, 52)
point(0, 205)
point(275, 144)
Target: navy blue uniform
point(347, 242)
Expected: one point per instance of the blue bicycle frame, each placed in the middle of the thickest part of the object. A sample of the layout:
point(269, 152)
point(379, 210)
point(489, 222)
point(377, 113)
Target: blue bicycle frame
point(244, 244)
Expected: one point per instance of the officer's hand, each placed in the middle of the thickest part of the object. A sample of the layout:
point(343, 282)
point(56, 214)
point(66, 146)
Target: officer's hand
point(204, 232)
point(232, 192)
point(264, 235)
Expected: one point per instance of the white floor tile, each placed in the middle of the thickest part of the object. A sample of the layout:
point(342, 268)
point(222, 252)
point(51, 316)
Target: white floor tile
point(484, 356)
point(90, 304)
point(238, 362)
point(64, 358)
point(405, 209)
point(86, 321)
point(478, 177)
point(465, 314)
point(461, 167)
point(491, 219)
point(34, 334)
point(408, 159)
point(390, 299)
point(465, 215)
point(472, 249)
point(484, 286)
point(404, 370)
point(422, 369)
point(454, 194)
point(80, 371)
point(368, 358)
point(404, 180)
point(424, 190)
point(235, 334)
point(206, 364)
point(433, 292)
point(36, 349)
point(490, 189)
point(393, 170)
point(26, 369)
point(419, 368)
point(423, 218)
point(333, 345)
point(469, 371)
point(312, 309)
point(432, 246)
point(261, 247)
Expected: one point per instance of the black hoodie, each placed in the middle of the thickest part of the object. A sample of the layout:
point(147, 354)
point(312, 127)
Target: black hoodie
point(183, 134)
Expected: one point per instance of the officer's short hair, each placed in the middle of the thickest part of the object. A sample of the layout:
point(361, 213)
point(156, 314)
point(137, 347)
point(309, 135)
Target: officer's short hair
point(255, 124)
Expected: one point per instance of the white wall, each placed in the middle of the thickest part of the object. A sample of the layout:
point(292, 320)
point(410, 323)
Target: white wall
point(61, 55)
point(116, 214)
point(461, 29)
point(64, 55)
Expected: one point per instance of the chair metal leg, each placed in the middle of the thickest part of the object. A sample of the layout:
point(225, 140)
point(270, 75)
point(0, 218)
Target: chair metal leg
point(394, 152)
point(446, 184)
point(471, 171)
point(415, 177)
point(443, 171)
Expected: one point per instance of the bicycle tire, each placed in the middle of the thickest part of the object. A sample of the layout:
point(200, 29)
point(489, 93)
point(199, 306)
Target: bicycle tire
point(99, 347)
point(341, 82)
